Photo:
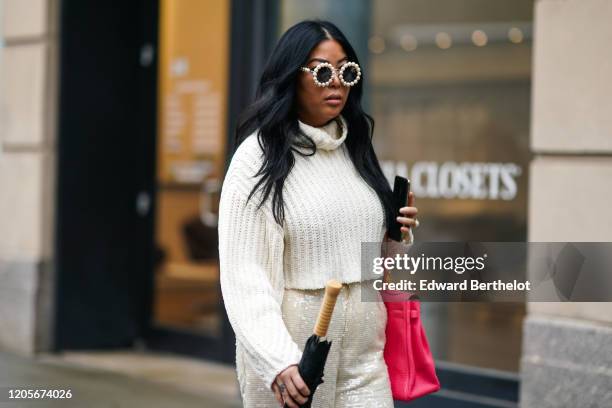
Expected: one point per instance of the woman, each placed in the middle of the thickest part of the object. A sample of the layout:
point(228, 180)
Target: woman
point(303, 190)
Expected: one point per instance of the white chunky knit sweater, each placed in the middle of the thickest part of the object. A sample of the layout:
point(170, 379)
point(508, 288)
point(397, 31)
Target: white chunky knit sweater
point(329, 211)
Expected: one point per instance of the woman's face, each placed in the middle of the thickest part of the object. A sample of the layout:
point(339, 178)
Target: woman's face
point(318, 105)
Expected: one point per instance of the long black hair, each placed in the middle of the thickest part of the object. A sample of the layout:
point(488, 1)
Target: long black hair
point(274, 114)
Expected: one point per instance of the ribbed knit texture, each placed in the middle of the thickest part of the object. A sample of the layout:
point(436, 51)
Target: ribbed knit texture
point(329, 211)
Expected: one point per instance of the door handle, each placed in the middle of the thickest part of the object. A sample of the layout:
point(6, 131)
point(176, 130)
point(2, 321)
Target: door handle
point(143, 203)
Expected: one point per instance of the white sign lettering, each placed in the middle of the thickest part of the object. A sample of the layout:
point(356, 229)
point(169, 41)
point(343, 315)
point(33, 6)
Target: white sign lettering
point(479, 181)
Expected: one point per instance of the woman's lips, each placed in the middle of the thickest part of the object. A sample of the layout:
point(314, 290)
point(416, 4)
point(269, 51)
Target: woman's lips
point(333, 100)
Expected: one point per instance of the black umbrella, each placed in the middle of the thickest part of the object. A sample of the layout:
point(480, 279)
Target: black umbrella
point(315, 352)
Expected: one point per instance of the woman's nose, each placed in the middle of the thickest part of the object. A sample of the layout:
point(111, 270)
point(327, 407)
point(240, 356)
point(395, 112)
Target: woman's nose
point(335, 83)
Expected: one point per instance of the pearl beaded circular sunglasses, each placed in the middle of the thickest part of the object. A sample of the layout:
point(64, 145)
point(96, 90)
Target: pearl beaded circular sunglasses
point(323, 74)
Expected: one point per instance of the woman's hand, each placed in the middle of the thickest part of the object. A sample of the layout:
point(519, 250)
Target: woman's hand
point(408, 219)
point(409, 213)
point(296, 391)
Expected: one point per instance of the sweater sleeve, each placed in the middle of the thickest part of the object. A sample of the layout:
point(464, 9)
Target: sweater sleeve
point(251, 247)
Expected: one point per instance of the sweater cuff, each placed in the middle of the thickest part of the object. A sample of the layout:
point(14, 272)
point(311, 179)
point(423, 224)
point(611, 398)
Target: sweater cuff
point(280, 367)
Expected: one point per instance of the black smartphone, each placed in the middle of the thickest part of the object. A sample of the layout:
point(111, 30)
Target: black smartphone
point(401, 188)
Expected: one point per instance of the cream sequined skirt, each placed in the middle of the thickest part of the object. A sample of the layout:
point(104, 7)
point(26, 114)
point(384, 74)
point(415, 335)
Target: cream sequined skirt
point(355, 374)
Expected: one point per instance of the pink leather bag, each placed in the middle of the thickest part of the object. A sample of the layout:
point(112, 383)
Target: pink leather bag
point(409, 360)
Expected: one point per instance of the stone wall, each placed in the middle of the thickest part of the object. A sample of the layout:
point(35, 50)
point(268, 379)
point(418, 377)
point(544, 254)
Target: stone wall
point(567, 346)
point(28, 100)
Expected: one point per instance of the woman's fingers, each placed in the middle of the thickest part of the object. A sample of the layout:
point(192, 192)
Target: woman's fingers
point(409, 214)
point(290, 402)
point(406, 221)
point(293, 393)
point(409, 210)
point(300, 384)
point(277, 394)
point(293, 382)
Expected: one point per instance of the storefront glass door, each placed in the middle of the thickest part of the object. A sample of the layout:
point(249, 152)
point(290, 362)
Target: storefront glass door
point(191, 149)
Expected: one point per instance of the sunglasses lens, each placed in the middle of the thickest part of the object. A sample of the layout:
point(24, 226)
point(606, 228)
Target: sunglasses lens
point(324, 74)
point(350, 73)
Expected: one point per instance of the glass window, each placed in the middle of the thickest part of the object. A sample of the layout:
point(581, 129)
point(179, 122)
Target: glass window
point(191, 160)
point(448, 83)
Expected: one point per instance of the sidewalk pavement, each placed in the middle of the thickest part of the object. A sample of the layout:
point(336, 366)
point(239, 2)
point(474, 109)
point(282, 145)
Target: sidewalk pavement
point(120, 379)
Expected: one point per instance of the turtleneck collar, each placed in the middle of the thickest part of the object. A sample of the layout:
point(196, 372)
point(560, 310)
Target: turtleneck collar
point(327, 137)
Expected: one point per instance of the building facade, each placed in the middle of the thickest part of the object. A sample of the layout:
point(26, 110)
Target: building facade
point(565, 345)
point(27, 178)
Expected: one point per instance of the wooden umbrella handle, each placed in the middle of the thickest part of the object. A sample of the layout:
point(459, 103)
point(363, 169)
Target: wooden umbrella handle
point(332, 289)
